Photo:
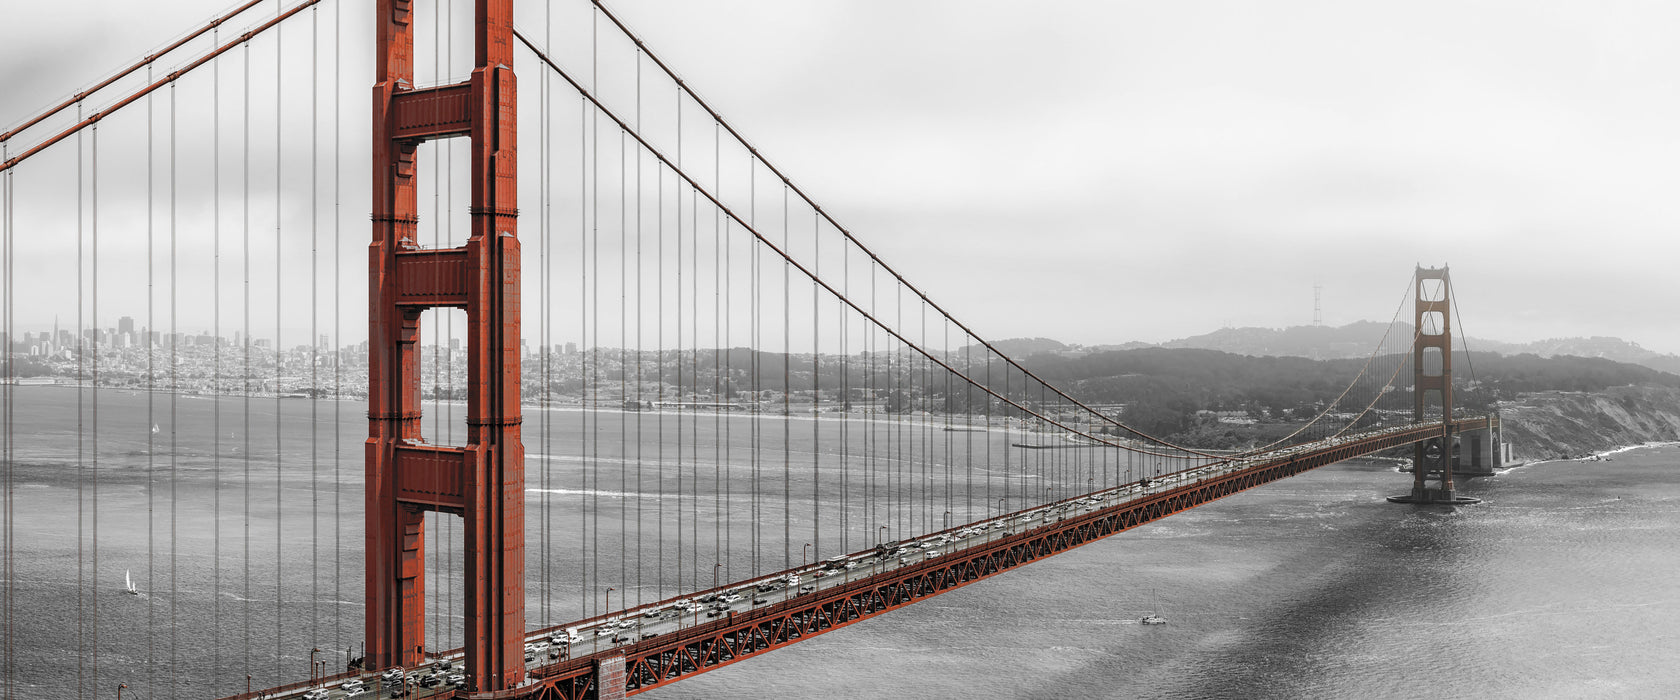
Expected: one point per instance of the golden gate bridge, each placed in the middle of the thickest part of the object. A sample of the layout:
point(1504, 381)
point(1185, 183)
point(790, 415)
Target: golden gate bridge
point(594, 443)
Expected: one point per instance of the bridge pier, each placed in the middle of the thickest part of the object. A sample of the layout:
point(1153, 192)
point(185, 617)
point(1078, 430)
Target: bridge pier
point(611, 683)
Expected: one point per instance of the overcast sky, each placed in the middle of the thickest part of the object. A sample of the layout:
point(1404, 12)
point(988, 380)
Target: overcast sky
point(1100, 172)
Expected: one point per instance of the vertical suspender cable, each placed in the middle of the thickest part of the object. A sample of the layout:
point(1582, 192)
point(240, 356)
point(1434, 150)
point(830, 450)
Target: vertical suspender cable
point(151, 393)
point(623, 363)
point(640, 499)
point(279, 490)
point(216, 363)
point(717, 358)
point(677, 357)
point(81, 647)
point(787, 388)
point(659, 361)
point(337, 339)
point(314, 336)
point(545, 211)
point(245, 339)
point(727, 385)
point(93, 317)
point(594, 438)
point(587, 596)
point(871, 442)
point(8, 374)
point(11, 410)
point(174, 395)
point(816, 391)
point(754, 294)
point(6, 402)
point(845, 396)
point(694, 382)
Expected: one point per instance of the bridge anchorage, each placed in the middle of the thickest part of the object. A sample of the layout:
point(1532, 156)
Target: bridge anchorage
point(1432, 374)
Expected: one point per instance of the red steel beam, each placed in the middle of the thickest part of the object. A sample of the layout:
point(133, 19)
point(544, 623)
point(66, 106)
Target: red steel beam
point(432, 278)
point(430, 477)
point(433, 112)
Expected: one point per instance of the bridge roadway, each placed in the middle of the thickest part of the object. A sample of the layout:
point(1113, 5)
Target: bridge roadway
point(660, 643)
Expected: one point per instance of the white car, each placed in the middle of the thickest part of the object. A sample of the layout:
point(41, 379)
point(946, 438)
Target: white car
point(316, 694)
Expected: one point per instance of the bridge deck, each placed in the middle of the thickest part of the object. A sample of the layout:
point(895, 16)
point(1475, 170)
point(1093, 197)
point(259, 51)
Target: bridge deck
point(663, 642)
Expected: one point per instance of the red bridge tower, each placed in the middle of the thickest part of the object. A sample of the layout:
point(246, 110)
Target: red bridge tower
point(483, 482)
point(1432, 373)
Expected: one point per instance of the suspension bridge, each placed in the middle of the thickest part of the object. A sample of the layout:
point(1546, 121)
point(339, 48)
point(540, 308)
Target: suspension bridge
point(637, 407)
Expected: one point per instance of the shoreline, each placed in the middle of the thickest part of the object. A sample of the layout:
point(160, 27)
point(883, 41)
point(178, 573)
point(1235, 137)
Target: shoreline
point(1593, 457)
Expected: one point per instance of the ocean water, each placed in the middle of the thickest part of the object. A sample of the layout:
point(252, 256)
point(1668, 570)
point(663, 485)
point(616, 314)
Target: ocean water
point(1561, 584)
point(241, 522)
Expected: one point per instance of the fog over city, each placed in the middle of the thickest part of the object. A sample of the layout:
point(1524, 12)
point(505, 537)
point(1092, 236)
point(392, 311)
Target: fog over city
point(1091, 172)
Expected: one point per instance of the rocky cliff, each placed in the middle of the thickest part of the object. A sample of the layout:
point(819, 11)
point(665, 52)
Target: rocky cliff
point(1558, 424)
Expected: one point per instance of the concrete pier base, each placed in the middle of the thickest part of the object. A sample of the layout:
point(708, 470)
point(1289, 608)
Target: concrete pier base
point(610, 679)
point(1434, 497)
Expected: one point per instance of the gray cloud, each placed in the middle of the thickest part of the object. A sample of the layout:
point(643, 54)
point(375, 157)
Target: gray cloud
point(1152, 170)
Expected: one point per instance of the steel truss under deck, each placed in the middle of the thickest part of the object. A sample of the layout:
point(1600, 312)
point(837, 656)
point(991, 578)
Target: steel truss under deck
point(689, 651)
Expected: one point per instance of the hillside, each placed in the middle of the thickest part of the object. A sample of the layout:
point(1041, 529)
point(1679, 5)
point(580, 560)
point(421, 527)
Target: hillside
point(1164, 388)
point(1560, 424)
point(1356, 340)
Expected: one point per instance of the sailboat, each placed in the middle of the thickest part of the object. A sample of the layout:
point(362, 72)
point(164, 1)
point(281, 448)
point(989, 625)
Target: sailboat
point(1153, 618)
point(155, 429)
point(128, 582)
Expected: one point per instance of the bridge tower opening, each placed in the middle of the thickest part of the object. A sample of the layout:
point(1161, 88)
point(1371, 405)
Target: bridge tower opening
point(482, 481)
point(1432, 376)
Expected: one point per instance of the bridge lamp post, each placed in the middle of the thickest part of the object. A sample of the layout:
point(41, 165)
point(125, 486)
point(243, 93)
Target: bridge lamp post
point(947, 520)
point(1001, 506)
point(312, 653)
point(802, 551)
point(120, 687)
point(878, 532)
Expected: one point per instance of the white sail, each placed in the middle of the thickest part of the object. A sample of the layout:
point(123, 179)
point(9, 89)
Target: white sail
point(128, 581)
